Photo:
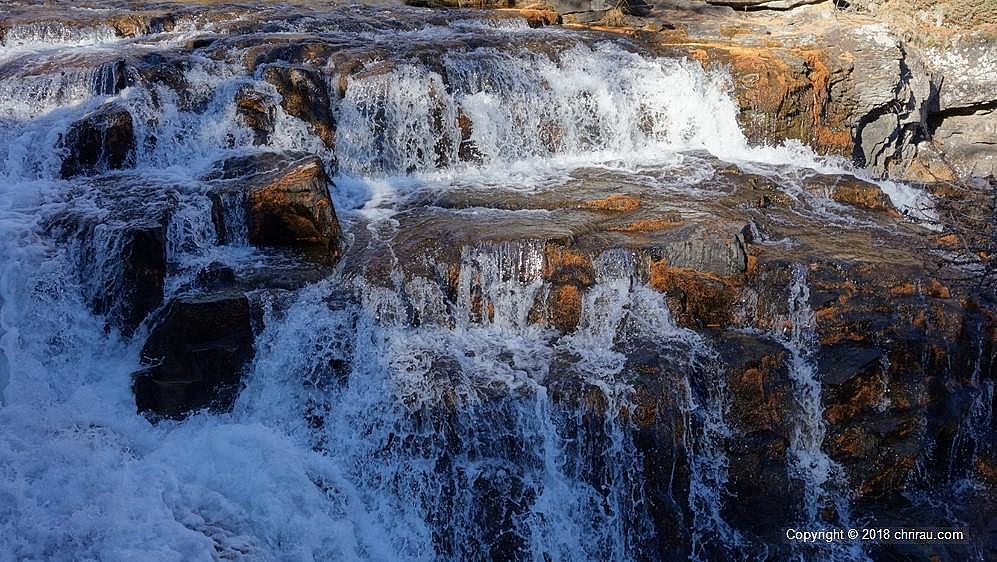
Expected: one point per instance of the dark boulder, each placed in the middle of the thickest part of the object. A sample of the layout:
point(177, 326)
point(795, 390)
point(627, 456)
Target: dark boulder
point(103, 139)
point(764, 498)
point(195, 355)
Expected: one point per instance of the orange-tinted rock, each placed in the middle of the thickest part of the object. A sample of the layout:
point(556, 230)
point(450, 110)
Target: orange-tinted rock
point(649, 225)
point(569, 274)
point(256, 112)
point(696, 298)
point(853, 191)
point(295, 209)
point(286, 203)
point(783, 93)
point(536, 17)
point(135, 24)
point(467, 150)
point(566, 307)
point(617, 203)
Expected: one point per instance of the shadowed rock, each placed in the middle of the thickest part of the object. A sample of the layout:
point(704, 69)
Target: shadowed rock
point(103, 139)
point(195, 355)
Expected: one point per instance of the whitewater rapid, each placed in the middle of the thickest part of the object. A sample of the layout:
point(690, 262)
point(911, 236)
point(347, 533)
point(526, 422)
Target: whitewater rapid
point(85, 477)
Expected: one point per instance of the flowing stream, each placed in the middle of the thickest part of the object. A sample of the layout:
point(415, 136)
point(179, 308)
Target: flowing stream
point(379, 420)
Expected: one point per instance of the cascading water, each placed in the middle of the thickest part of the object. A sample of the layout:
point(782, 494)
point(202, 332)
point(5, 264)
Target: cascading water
point(387, 418)
point(824, 499)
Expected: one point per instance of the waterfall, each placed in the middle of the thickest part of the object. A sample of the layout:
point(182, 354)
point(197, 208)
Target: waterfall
point(824, 485)
point(410, 407)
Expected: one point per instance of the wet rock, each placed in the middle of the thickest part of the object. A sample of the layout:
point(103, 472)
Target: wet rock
point(103, 139)
point(763, 4)
point(118, 229)
point(467, 150)
point(660, 437)
point(257, 112)
point(306, 51)
point(168, 71)
point(853, 191)
point(216, 276)
point(761, 421)
point(111, 78)
point(283, 201)
point(304, 95)
point(195, 355)
point(462, 3)
point(569, 274)
point(697, 298)
point(133, 24)
point(784, 94)
point(540, 17)
point(613, 203)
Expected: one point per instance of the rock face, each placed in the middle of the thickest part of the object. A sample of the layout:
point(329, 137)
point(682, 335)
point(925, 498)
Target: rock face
point(119, 227)
point(304, 95)
point(683, 314)
point(283, 202)
point(196, 354)
point(143, 262)
point(902, 97)
point(256, 113)
point(104, 139)
point(761, 404)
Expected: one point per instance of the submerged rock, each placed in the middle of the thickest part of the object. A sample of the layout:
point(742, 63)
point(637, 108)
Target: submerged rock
point(195, 355)
point(103, 139)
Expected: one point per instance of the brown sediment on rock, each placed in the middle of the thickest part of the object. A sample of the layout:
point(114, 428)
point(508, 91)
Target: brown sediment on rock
point(649, 225)
point(697, 298)
point(617, 203)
